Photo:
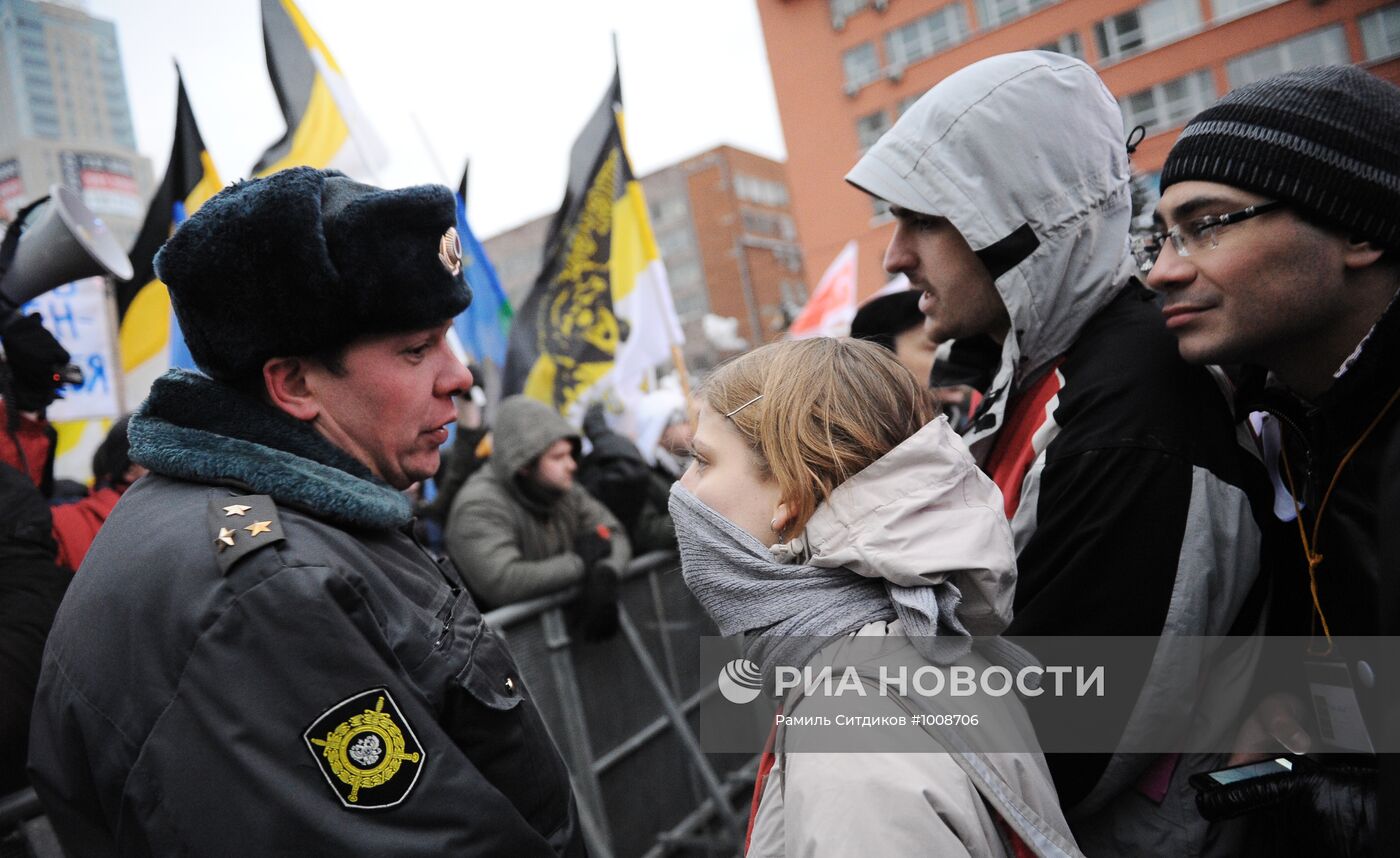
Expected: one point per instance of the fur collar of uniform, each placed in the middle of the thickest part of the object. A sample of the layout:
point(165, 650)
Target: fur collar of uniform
point(194, 428)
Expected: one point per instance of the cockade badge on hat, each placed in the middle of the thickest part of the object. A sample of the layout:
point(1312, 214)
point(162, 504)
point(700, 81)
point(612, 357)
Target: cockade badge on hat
point(450, 251)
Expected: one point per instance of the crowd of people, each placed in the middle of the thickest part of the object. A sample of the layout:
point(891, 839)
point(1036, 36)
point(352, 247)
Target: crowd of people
point(1058, 430)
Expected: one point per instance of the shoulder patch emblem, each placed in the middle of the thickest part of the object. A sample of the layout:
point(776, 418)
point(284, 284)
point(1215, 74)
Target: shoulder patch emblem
point(366, 750)
point(240, 525)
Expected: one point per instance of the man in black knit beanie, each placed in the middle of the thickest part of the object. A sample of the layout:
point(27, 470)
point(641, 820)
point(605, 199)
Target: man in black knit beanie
point(1275, 254)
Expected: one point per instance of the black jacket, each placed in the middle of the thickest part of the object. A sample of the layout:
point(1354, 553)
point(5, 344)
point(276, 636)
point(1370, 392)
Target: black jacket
point(1348, 441)
point(1316, 437)
point(1128, 491)
point(31, 587)
point(256, 657)
point(614, 471)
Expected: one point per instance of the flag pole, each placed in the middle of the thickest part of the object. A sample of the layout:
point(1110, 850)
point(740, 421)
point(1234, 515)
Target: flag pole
point(428, 146)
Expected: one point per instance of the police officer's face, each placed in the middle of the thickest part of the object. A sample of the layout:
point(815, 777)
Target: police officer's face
point(391, 405)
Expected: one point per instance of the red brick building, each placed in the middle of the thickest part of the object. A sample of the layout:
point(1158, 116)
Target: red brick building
point(843, 71)
point(724, 225)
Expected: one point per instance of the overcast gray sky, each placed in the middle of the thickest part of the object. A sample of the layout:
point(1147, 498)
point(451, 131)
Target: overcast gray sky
point(507, 84)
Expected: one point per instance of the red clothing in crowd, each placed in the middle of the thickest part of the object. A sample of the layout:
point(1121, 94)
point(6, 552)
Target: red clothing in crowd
point(31, 453)
point(75, 525)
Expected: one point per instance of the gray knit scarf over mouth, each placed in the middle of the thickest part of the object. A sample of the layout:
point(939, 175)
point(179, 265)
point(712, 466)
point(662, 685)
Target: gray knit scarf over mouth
point(790, 609)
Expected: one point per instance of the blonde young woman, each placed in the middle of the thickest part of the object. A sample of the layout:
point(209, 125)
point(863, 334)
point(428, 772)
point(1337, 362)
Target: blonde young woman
point(826, 500)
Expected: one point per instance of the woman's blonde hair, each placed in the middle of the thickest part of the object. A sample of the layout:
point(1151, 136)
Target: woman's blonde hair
point(829, 408)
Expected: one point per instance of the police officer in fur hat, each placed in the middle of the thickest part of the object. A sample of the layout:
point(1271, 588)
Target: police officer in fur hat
point(256, 657)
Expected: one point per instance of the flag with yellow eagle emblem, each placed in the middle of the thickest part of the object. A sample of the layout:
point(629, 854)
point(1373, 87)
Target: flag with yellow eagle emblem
point(600, 317)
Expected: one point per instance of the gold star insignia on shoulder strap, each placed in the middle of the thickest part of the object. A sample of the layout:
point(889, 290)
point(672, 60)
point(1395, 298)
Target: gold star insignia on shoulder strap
point(264, 529)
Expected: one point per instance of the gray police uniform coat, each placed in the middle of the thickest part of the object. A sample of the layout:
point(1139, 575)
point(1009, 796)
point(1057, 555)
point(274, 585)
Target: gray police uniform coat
point(257, 657)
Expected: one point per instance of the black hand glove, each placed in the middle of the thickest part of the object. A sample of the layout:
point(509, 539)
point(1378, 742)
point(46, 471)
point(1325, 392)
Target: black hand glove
point(593, 546)
point(1328, 811)
point(593, 616)
point(595, 421)
point(33, 355)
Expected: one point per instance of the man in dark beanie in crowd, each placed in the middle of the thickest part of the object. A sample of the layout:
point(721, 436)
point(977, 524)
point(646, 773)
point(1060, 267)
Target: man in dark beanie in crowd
point(256, 657)
point(893, 320)
point(1276, 252)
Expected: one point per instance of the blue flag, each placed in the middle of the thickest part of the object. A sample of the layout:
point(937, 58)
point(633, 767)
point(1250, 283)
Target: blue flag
point(484, 327)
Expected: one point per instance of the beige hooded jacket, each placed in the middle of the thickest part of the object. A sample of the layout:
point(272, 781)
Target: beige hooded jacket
point(920, 515)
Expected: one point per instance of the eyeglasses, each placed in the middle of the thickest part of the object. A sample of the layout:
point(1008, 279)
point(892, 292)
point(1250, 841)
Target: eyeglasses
point(1193, 236)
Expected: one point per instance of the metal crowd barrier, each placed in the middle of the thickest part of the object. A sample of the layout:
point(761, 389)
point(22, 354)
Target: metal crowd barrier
point(25, 831)
point(623, 714)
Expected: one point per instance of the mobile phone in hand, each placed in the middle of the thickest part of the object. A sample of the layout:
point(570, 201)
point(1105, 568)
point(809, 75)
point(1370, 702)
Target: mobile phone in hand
point(1280, 765)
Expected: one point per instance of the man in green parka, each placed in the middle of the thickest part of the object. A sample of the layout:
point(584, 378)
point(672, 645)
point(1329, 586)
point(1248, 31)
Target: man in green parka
point(522, 527)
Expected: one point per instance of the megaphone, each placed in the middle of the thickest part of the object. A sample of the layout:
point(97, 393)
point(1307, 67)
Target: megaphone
point(68, 242)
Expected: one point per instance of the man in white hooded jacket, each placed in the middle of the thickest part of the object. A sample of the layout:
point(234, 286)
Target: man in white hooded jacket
point(1119, 464)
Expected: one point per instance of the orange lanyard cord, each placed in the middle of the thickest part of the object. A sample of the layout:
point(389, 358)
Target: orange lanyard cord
point(1313, 559)
point(1310, 546)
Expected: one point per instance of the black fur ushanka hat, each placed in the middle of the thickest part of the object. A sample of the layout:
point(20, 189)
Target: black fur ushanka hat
point(305, 261)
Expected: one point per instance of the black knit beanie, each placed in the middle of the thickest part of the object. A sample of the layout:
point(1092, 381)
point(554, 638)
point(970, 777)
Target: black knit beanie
point(882, 319)
point(112, 458)
point(306, 261)
point(1325, 140)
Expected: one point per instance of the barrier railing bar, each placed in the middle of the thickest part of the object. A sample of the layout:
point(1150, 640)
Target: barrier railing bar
point(647, 733)
point(518, 612)
point(652, 561)
point(683, 830)
point(576, 744)
point(665, 681)
point(595, 837)
point(678, 720)
point(668, 652)
point(18, 806)
point(692, 842)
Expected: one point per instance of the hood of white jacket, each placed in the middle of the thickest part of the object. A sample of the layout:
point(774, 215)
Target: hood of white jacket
point(921, 514)
point(653, 413)
point(1023, 141)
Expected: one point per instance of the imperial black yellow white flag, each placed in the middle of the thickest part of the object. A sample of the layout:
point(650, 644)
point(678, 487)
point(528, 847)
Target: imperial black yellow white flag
point(149, 338)
point(325, 127)
point(600, 317)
